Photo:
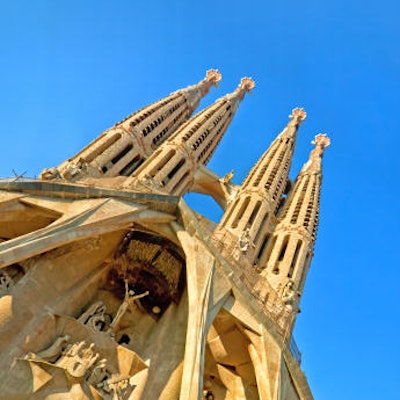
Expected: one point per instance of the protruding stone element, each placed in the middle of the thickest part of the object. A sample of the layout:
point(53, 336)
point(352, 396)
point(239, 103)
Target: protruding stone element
point(246, 85)
point(297, 116)
point(244, 240)
point(228, 177)
point(95, 318)
point(78, 359)
point(321, 142)
point(213, 76)
point(313, 165)
point(118, 386)
point(290, 295)
point(99, 374)
point(128, 302)
point(50, 354)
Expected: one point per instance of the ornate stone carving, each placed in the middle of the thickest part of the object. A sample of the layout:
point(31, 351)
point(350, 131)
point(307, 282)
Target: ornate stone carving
point(244, 241)
point(99, 374)
point(228, 177)
point(213, 76)
point(118, 386)
point(78, 359)
point(290, 296)
point(128, 302)
point(313, 165)
point(297, 116)
point(73, 170)
point(49, 174)
point(52, 353)
point(95, 317)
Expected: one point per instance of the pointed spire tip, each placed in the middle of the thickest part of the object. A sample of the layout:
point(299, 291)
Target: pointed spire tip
point(247, 84)
point(297, 116)
point(213, 76)
point(322, 141)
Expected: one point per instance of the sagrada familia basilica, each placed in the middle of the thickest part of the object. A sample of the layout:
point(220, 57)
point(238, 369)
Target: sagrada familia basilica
point(111, 287)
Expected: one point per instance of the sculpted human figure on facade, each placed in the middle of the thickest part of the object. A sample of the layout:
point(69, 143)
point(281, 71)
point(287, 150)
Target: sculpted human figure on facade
point(128, 302)
point(50, 174)
point(50, 354)
point(99, 374)
point(78, 359)
point(290, 296)
point(95, 317)
point(119, 387)
point(244, 240)
point(228, 177)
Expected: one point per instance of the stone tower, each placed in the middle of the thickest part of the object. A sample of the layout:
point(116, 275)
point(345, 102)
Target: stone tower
point(111, 287)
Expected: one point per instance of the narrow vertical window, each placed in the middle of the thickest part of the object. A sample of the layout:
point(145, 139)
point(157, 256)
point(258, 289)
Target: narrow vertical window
point(294, 259)
point(241, 211)
point(283, 248)
point(254, 214)
point(262, 248)
point(261, 227)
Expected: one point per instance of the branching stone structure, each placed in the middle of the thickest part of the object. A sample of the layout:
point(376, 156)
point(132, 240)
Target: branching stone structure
point(111, 287)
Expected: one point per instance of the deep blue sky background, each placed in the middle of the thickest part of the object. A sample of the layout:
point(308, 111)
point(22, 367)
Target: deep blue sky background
point(70, 69)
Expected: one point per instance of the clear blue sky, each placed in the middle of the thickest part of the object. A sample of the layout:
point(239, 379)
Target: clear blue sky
point(70, 69)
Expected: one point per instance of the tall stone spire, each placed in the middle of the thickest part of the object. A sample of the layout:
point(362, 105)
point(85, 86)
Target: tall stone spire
point(251, 215)
point(122, 148)
point(171, 168)
point(291, 247)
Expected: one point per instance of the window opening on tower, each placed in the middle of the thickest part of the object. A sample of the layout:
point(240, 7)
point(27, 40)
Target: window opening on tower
point(294, 259)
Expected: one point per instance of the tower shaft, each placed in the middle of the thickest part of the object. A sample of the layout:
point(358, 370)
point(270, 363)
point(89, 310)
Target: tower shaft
point(122, 148)
point(250, 217)
point(291, 247)
point(170, 169)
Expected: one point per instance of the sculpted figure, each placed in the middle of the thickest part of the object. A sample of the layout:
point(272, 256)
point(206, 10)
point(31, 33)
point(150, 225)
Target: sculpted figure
point(52, 353)
point(99, 374)
point(289, 296)
point(128, 302)
point(95, 317)
point(228, 177)
point(244, 240)
point(78, 359)
point(119, 387)
point(49, 174)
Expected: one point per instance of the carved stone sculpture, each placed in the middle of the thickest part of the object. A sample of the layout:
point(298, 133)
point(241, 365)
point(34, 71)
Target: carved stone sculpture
point(78, 359)
point(289, 296)
point(128, 302)
point(119, 387)
point(50, 354)
point(99, 374)
point(244, 240)
point(95, 317)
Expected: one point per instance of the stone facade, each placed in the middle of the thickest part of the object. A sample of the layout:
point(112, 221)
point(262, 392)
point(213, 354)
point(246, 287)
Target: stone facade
point(111, 287)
